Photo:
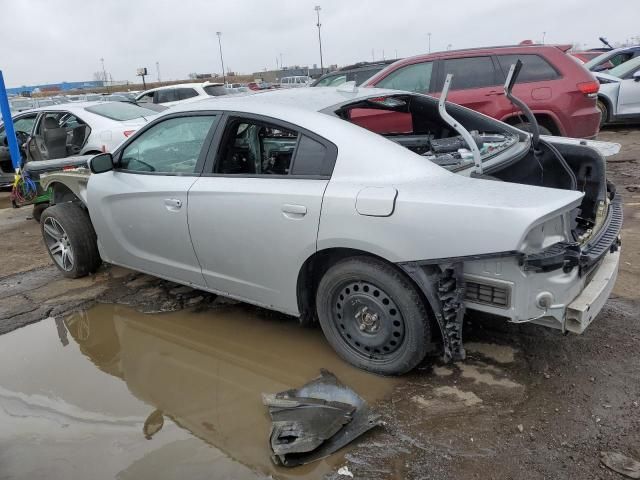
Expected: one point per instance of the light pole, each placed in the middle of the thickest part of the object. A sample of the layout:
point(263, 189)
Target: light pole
point(104, 75)
point(224, 76)
point(317, 9)
point(158, 70)
point(429, 35)
point(544, 34)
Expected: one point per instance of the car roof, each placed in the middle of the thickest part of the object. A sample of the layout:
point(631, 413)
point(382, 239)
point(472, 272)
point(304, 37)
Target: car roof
point(66, 107)
point(303, 99)
point(180, 85)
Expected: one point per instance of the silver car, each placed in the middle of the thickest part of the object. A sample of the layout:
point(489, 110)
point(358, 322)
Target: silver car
point(290, 201)
point(619, 94)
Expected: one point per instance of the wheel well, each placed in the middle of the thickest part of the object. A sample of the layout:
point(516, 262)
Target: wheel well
point(608, 104)
point(316, 266)
point(543, 119)
point(61, 194)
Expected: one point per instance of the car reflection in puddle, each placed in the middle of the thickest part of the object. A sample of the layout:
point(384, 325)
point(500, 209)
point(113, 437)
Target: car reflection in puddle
point(175, 394)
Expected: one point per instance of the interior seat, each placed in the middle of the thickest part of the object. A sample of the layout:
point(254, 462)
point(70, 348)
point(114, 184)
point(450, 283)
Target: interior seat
point(55, 139)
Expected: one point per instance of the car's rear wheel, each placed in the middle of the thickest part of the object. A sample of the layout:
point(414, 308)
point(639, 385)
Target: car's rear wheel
point(373, 316)
point(526, 126)
point(70, 239)
point(604, 112)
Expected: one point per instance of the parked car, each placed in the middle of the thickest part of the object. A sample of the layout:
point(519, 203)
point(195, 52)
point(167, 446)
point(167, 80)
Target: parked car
point(68, 130)
point(584, 57)
point(385, 239)
point(21, 104)
point(180, 93)
point(561, 93)
point(619, 95)
point(357, 73)
point(88, 97)
point(612, 58)
point(296, 81)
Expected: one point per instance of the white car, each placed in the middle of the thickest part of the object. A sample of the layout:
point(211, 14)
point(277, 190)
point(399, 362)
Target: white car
point(181, 93)
point(71, 129)
point(296, 81)
point(288, 201)
point(619, 94)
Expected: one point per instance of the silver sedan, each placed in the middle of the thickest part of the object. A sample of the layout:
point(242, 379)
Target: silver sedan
point(370, 211)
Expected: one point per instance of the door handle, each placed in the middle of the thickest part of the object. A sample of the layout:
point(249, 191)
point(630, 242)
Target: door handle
point(294, 211)
point(494, 93)
point(172, 203)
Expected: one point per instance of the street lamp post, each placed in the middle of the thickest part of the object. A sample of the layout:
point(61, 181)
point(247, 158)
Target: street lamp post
point(429, 35)
point(544, 34)
point(317, 9)
point(224, 76)
point(158, 70)
point(104, 75)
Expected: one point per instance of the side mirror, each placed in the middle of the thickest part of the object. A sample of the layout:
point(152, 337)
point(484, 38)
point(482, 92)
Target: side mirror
point(101, 163)
point(636, 76)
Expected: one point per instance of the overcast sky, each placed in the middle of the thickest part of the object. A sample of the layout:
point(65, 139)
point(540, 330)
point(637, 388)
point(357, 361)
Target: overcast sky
point(43, 41)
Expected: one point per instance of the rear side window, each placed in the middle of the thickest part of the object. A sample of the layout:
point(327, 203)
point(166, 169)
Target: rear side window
point(215, 90)
point(184, 93)
point(412, 78)
point(311, 158)
point(534, 67)
point(472, 72)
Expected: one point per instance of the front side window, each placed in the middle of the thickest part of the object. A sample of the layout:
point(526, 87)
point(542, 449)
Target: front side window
point(185, 93)
point(471, 72)
point(146, 98)
point(412, 78)
point(215, 90)
point(168, 95)
point(172, 146)
point(24, 124)
point(534, 67)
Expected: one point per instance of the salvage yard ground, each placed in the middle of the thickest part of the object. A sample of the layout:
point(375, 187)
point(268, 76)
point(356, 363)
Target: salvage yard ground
point(528, 403)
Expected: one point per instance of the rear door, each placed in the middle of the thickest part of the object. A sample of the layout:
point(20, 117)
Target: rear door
point(477, 84)
point(139, 210)
point(254, 216)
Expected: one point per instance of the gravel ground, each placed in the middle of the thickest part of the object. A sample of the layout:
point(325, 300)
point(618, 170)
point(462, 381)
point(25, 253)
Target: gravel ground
point(528, 403)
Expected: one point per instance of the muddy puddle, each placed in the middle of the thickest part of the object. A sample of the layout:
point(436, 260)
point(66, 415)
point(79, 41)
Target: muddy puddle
point(113, 393)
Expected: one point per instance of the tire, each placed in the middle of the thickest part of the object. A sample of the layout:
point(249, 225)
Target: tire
point(37, 211)
point(604, 112)
point(526, 126)
point(373, 316)
point(70, 239)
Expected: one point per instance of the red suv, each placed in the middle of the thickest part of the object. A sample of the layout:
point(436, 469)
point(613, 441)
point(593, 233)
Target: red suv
point(560, 92)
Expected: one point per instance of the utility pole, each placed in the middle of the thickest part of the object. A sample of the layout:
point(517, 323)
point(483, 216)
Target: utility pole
point(224, 75)
point(104, 75)
point(429, 35)
point(544, 34)
point(158, 70)
point(281, 63)
point(317, 9)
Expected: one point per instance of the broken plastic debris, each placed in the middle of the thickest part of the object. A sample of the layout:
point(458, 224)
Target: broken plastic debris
point(316, 420)
point(345, 472)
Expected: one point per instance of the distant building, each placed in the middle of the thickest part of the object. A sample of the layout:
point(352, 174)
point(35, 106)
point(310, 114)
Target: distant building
point(55, 87)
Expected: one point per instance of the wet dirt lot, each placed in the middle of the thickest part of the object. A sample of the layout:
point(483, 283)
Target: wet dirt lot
point(123, 375)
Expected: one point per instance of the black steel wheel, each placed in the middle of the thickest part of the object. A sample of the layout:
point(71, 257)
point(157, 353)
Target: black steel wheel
point(373, 316)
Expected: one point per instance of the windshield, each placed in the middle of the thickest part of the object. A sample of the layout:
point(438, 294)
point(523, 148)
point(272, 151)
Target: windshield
point(120, 111)
point(215, 90)
point(625, 68)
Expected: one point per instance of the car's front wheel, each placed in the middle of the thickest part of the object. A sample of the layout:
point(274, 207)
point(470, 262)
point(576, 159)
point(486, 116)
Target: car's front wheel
point(70, 239)
point(373, 316)
point(604, 112)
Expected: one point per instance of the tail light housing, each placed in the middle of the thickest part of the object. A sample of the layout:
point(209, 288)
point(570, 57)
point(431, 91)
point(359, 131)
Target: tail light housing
point(589, 88)
point(128, 133)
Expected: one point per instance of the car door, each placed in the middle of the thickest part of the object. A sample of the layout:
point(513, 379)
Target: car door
point(629, 95)
point(21, 123)
point(477, 84)
point(139, 210)
point(254, 216)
